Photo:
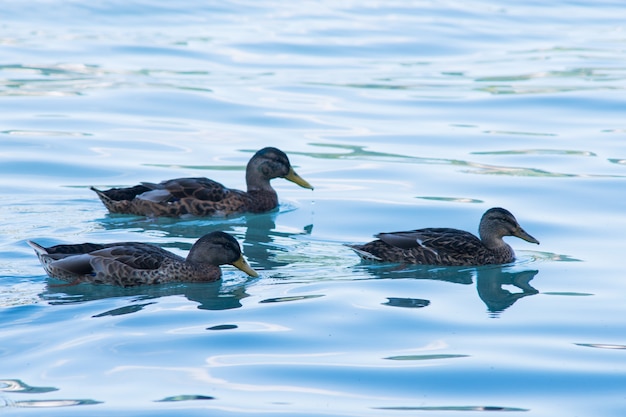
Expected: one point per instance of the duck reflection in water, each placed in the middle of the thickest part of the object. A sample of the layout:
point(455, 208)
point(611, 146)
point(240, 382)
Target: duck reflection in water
point(258, 232)
point(209, 296)
point(490, 282)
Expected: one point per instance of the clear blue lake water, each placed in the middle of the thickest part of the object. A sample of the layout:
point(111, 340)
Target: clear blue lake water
point(402, 114)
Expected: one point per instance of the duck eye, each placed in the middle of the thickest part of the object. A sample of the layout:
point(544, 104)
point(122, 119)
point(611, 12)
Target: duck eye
point(508, 221)
point(266, 169)
point(227, 246)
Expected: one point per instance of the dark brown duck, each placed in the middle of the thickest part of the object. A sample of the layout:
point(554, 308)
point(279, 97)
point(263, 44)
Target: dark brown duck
point(135, 263)
point(205, 197)
point(446, 246)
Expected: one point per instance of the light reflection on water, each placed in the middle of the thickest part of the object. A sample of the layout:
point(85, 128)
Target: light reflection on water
point(390, 110)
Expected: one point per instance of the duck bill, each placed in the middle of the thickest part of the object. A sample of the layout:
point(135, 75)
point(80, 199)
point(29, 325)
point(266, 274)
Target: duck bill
point(295, 178)
point(521, 233)
point(242, 265)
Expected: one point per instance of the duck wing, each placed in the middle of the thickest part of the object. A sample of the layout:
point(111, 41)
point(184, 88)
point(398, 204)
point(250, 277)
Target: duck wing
point(179, 188)
point(133, 255)
point(437, 240)
point(64, 251)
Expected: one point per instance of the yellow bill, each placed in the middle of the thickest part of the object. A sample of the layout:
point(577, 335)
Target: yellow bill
point(295, 178)
point(242, 265)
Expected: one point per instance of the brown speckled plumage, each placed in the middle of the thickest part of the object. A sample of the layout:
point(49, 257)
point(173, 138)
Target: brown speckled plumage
point(446, 246)
point(134, 263)
point(203, 196)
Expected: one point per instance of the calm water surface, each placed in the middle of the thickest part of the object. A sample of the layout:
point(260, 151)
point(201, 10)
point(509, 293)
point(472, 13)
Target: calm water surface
point(402, 115)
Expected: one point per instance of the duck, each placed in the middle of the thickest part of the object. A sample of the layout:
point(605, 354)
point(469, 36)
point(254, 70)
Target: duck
point(448, 246)
point(129, 264)
point(203, 196)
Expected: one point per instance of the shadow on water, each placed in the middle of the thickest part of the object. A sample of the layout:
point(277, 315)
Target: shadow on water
point(490, 282)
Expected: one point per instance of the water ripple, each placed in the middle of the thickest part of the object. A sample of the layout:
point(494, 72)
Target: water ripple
point(488, 408)
point(50, 403)
point(177, 398)
point(360, 153)
point(602, 346)
point(425, 357)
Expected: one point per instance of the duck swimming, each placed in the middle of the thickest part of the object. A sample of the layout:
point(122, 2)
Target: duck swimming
point(450, 247)
point(134, 263)
point(203, 196)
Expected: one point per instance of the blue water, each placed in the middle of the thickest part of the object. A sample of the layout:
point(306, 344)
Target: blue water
point(402, 115)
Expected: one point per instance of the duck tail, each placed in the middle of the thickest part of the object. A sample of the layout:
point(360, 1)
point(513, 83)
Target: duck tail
point(108, 202)
point(100, 193)
point(40, 250)
point(363, 254)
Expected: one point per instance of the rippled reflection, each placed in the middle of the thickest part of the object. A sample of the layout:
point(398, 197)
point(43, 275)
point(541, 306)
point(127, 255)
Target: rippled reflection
point(292, 298)
point(406, 302)
point(52, 403)
point(209, 296)
point(425, 357)
point(491, 282)
point(602, 346)
point(186, 398)
point(260, 235)
point(489, 408)
point(16, 386)
point(453, 199)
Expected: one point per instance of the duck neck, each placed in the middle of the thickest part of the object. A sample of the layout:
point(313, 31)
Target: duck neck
point(497, 245)
point(258, 184)
point(491, 240)
point(256, 180)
